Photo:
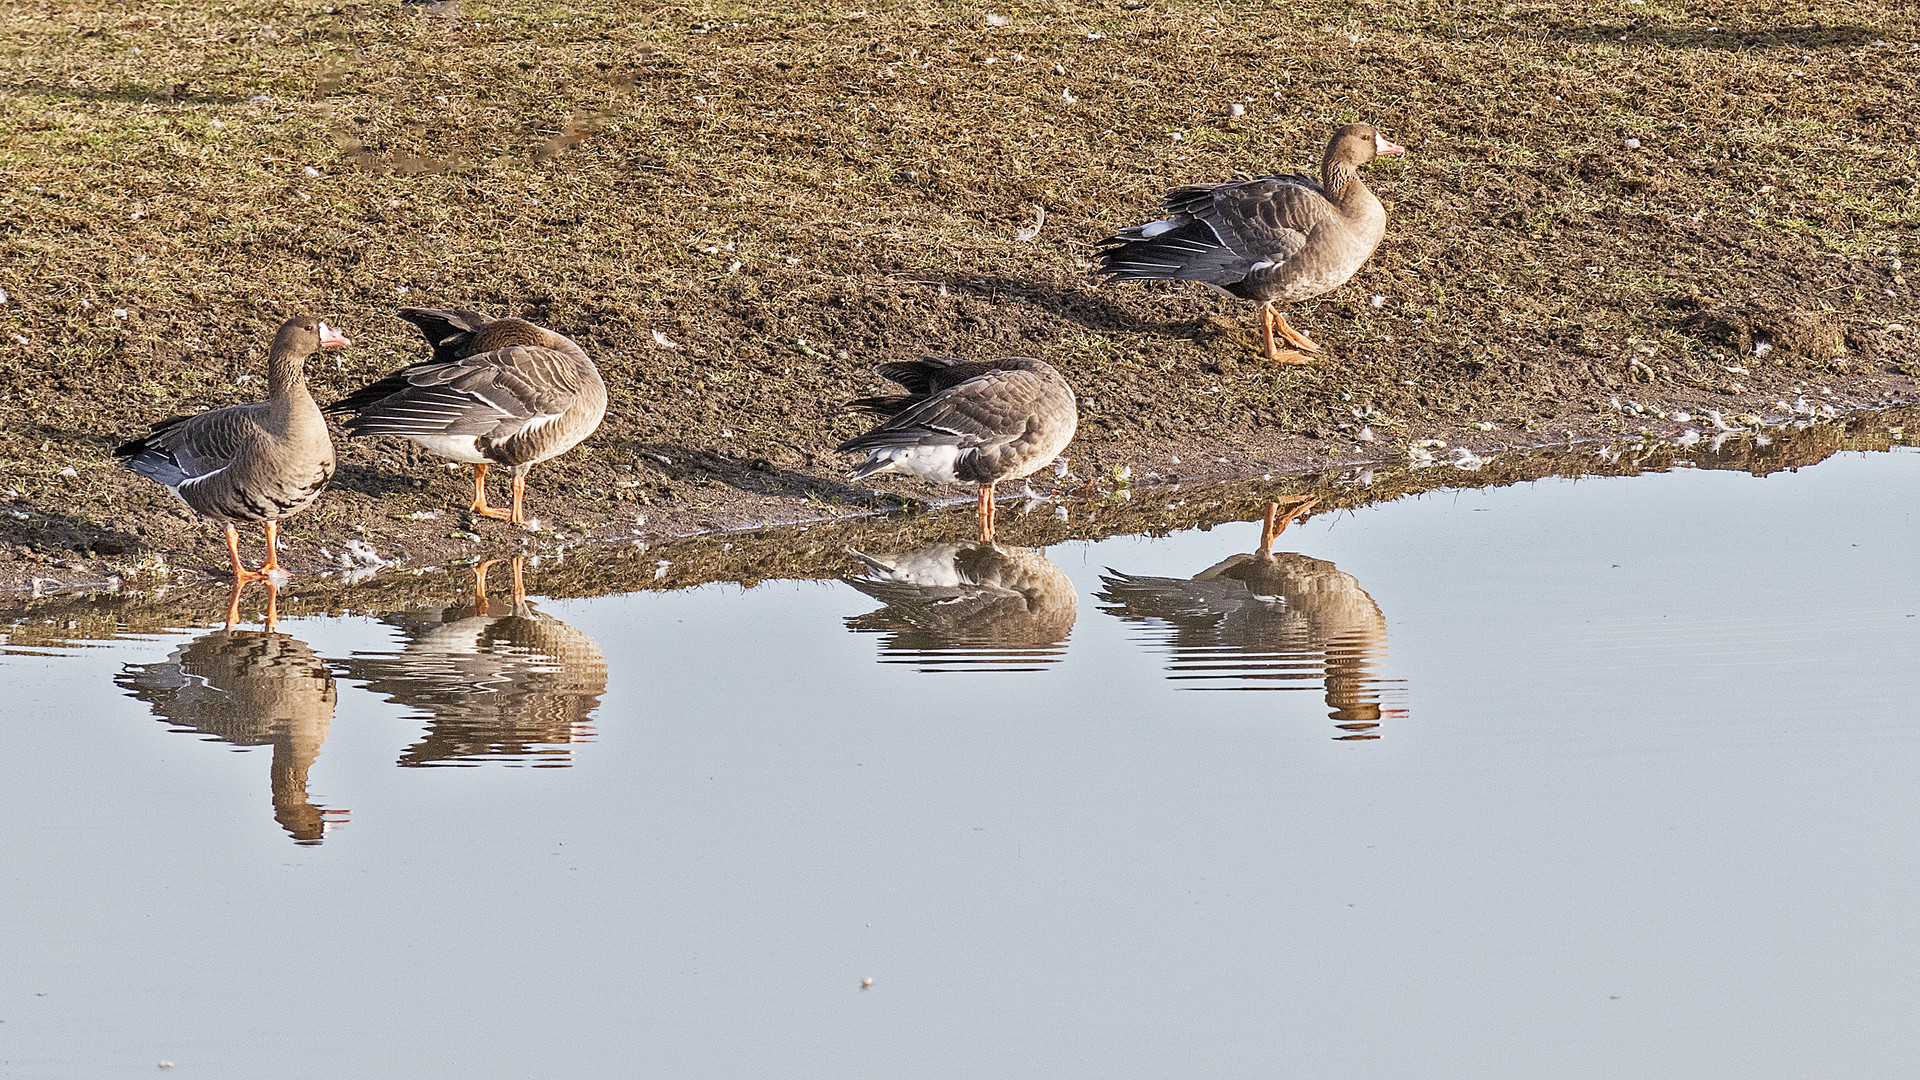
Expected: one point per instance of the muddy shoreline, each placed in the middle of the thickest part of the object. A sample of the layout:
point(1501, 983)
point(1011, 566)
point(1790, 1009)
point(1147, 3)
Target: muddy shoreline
point(749, 552)
point(740, 218)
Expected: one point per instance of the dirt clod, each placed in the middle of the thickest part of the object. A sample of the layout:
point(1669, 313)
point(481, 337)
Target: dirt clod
point(1759, 331)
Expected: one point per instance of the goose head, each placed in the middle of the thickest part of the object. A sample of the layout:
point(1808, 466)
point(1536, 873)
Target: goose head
point(304, 335)
point(1356, 144)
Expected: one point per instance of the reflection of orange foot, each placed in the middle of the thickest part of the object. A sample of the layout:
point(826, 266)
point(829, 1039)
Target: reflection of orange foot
point(233, 603)
point(480, 585)
point(1275, 524)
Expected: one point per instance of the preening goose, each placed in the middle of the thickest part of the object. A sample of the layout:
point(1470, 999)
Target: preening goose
point(1272, 238)
point(953, 606)
point(249, 463)
point(972, 422)
point(497, 392)
point(495, 682)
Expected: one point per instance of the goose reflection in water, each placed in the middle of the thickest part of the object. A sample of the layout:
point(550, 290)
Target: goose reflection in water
point(251, 688)
point(508, 684)
point(967, 606)
point(1267, 621)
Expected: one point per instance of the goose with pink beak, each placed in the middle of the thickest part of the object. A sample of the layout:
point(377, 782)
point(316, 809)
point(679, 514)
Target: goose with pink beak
point(1272, 239)
point(252, 463)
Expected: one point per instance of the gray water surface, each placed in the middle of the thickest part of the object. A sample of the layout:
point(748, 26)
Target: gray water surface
point(1599, 778)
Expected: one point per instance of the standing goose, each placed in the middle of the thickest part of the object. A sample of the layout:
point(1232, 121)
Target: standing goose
point(497, 392)
point(967, 422)
point(245, 463)
point(1268, 621)
point(1272, 238)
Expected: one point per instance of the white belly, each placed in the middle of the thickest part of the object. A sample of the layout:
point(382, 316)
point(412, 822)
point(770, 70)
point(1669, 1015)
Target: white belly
point(464, 448)
point(934, 463)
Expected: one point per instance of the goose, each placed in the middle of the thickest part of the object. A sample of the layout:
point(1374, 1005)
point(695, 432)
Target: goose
point(1270, 239)
point(967, 422)
point(251, 688)
point(497, 392)
point(258, 462)
point(1268, 621)
point(967, 604)
point(514, 685)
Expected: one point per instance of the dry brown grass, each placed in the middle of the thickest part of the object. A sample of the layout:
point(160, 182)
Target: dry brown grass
point(793, 194)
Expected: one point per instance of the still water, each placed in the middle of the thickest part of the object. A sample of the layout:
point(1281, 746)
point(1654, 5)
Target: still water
point(1599, 778)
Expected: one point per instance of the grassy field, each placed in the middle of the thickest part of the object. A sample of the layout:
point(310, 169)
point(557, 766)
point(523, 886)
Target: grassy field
point(739, 209)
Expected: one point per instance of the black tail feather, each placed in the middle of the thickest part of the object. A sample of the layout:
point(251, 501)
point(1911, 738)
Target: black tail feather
point(446, 329)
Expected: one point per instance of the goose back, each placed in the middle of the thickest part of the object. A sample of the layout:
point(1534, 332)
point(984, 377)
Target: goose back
point(500, 391)
point(968, 422)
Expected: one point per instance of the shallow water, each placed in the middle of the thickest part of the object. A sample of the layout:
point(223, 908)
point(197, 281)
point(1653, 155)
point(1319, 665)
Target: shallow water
point(1604, 778)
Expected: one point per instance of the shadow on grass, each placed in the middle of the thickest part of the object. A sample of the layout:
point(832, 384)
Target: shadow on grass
point(755, 476)
point(52, 532)
point(1726, 39)
point(177, 94)
point(1074, 303)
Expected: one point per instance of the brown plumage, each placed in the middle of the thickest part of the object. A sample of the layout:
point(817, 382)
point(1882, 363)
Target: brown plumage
point(972, 422)
point(968, 603)
point(249, 463)
point(251, 688)
point(1272, 238)
point(1267, 620)
point(497, 392)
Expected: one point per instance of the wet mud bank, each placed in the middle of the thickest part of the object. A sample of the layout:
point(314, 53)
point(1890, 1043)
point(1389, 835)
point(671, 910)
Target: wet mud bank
point(53, 611)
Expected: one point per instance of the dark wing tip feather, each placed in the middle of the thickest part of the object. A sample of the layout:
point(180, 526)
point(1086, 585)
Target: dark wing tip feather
point(144, 442)
point(369, 394)
point(880, 404)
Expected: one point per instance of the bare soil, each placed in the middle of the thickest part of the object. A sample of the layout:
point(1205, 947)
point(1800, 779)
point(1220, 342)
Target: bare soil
point(1612, 214)
point(60, 615)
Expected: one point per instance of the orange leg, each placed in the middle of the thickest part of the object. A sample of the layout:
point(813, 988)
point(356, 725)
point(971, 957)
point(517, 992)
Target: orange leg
point(240, 572)
point(480, 507)
point(519, 514)
point(480, 586)
point(273, 549)
point(1302, 344)
point(986, 509)
point(519, 585)
point(273, 605)
point(1293, 337)
point(1272, 321)
point(1276, 524)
